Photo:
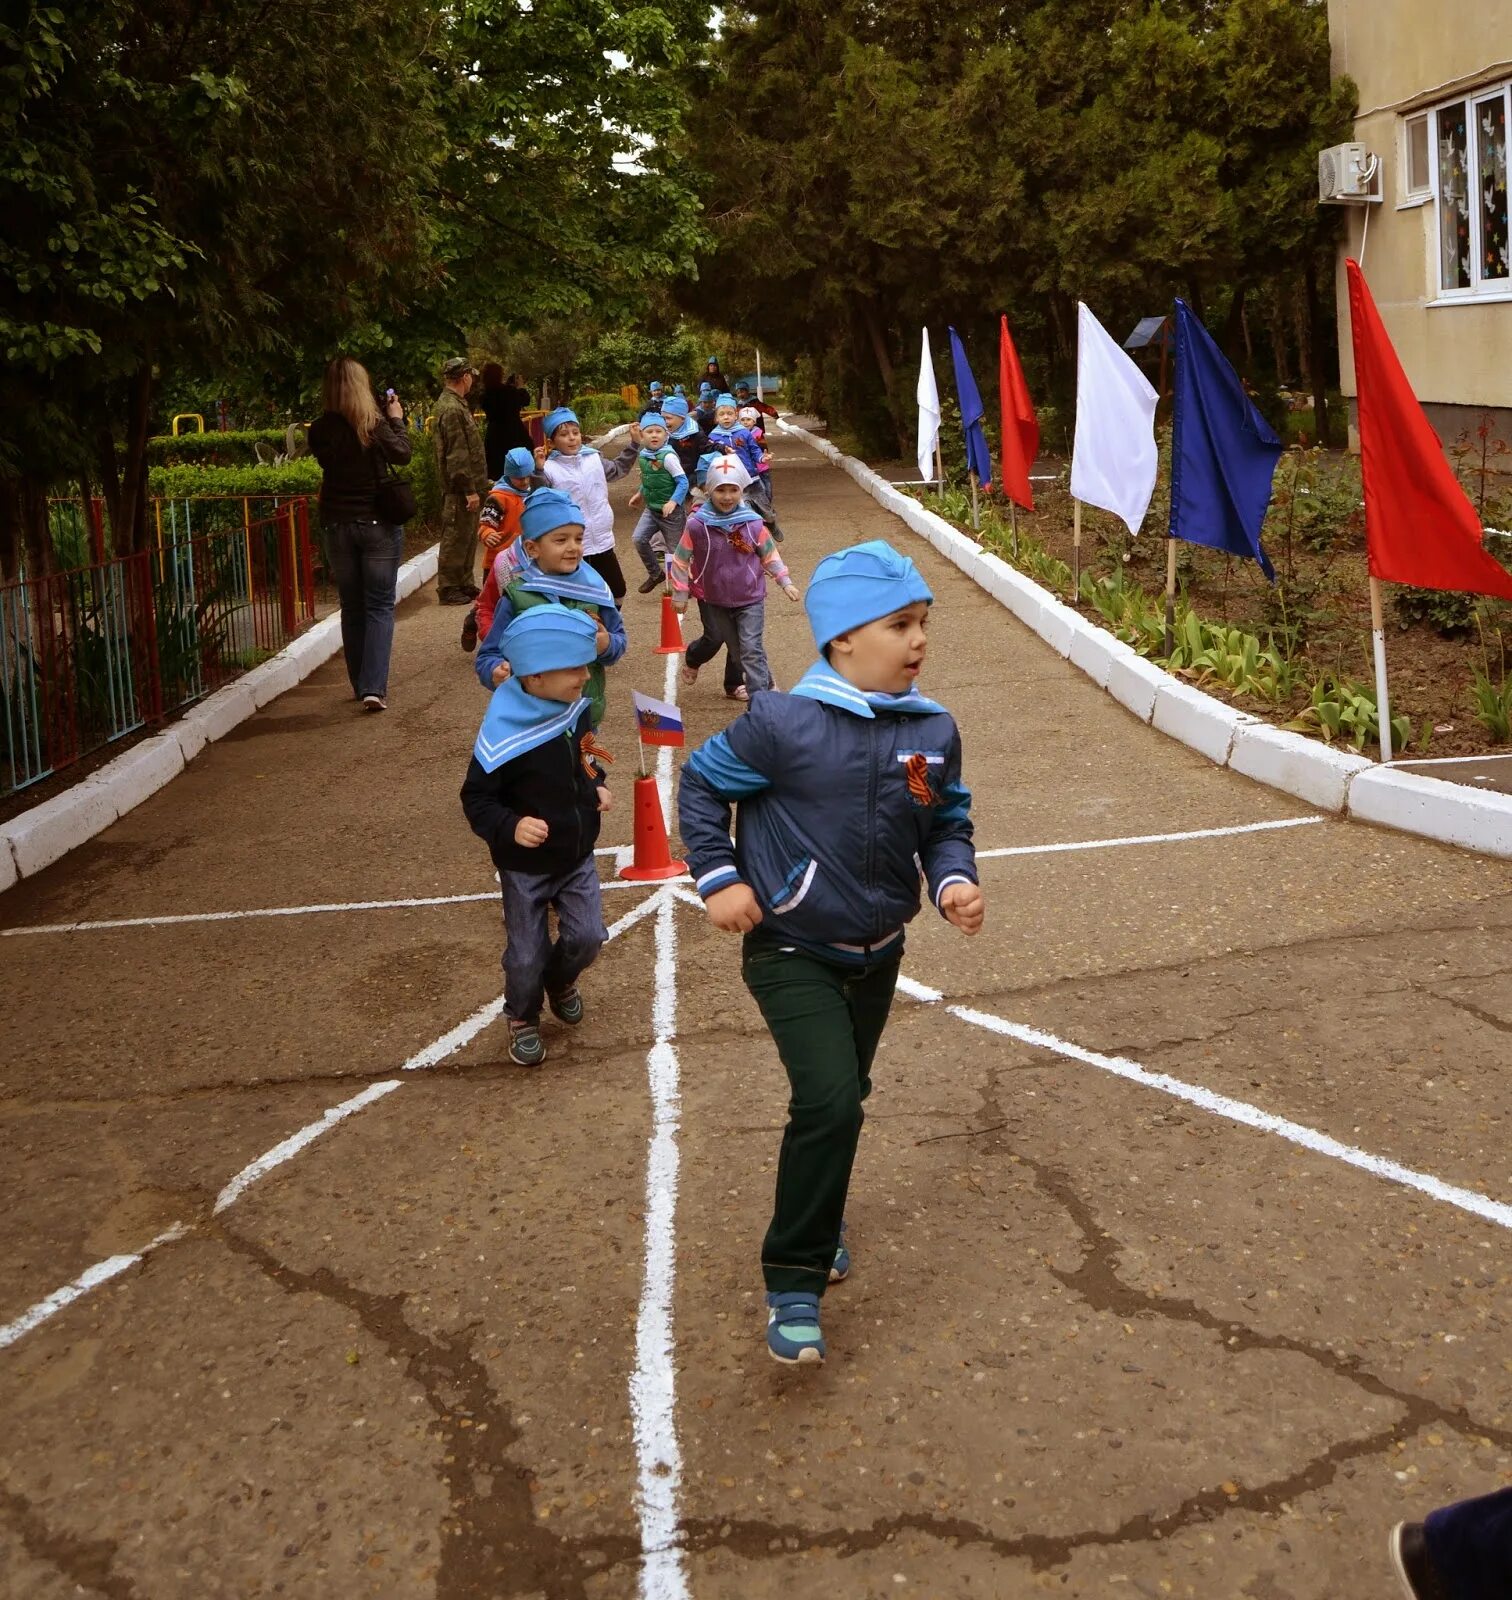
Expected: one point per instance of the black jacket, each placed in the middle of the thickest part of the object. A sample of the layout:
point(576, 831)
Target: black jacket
point(689, 450)
point(552, 782)
point(349, 474)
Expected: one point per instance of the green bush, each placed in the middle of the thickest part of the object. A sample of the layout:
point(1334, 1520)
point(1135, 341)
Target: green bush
point(597, 413)
point(218, 449)
point(184, 482)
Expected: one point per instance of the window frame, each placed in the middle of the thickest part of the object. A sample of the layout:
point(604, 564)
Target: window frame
point(1424, 191)
point(1480, 289)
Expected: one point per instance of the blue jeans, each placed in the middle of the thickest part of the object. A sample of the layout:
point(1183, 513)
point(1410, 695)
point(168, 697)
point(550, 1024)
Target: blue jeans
point(1470, 1546)
point(739, 630)
point(655, 538)
point(365, 564)
point(534, 966)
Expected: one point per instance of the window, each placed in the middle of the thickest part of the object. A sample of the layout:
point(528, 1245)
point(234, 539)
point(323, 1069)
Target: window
point(1468, 140)
point(1419, 175)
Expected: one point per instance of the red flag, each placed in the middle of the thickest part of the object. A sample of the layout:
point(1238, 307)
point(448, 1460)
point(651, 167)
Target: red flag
point(1020, 429)
point(1420, 527)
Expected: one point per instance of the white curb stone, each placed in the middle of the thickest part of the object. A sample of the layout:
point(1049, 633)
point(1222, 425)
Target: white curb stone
point(1196, 719)
point(220, 712)
point(1134, 682)
point(273, 678)
point(1296, 765)
point(1095, 650)
point(1058, 624)
point(141, 771)
point(49, 831)
point(1451, 812)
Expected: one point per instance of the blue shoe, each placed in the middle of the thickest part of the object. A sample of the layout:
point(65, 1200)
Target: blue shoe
point(525, 1046)
point(793, 1334)
point(840, 1266)
point(567, 1007)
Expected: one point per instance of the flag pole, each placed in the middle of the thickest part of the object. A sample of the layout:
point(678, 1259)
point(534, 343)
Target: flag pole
point(1013, 524)
point(940, 464)
point(1170, 611)
point(760, 392)
point(1075, 550)
point(640, 744)
point(1378, 641)
point(976, 521)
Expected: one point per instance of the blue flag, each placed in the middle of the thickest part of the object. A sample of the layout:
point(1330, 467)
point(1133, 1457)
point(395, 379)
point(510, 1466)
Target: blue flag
point(978, 459)
point(1223, 452)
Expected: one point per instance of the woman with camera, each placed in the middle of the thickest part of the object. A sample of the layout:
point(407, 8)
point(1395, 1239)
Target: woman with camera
point(363, 509)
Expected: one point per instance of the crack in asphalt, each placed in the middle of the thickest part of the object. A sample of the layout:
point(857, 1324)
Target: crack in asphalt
point(493, 1542)
point(89, 1564)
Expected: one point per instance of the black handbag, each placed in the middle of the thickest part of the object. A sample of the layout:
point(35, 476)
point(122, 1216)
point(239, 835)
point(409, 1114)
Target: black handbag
point(393, 500)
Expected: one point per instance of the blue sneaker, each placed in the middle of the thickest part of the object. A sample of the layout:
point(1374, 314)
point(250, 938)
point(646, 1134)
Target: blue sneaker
point(840, 1266)
point(793, 1334)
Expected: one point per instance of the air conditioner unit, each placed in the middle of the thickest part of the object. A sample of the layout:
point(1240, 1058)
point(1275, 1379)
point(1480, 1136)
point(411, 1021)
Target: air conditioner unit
point(1348, 175)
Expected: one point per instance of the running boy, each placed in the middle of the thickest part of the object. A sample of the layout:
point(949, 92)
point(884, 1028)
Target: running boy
point(728, 434)
point(761, 484)
point(569, 464)
point(687, 438)
point(724, 556)
point(845, 787)
point(499, 528)
point(551, 541)
point(664, 488)
point(533, 794)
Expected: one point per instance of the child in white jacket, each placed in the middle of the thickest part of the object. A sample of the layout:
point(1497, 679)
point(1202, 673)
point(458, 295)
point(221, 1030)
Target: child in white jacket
point(578, 469)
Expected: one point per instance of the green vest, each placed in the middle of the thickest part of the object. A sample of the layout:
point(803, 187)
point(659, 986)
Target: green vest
point(523, 599)
point(657, 483)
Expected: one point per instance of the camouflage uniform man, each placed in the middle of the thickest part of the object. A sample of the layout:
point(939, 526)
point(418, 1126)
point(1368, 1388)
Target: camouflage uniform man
point(464, 481)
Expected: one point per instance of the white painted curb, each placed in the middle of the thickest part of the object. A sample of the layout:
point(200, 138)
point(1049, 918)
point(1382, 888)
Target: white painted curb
point(1331, 779)
point(48, 831)
point(1451, 812)
point(1313, 772)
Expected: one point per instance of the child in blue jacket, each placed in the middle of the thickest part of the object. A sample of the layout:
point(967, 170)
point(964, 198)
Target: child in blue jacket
point(844, 788)
point(551, 540)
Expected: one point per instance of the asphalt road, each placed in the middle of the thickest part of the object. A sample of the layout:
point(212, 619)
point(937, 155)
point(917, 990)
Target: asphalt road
point(1180, 1222)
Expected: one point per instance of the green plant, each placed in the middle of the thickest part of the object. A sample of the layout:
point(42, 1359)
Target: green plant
point(213, 449)
point(188, 482)
point(1449, 614)
point(1340, 708)
point(1492, 701)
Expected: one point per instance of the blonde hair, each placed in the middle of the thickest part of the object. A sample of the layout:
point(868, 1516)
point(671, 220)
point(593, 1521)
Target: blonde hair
point(348, 389)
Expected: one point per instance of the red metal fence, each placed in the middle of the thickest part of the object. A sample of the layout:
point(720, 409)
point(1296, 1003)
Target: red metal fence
point(93, 653)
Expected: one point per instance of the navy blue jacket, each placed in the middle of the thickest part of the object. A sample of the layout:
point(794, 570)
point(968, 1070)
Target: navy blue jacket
point(842, 799)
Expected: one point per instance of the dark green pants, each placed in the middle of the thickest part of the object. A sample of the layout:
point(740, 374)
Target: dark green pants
point(826, 1020)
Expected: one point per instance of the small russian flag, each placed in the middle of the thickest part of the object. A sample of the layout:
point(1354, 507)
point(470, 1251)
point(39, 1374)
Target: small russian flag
point(660, 723)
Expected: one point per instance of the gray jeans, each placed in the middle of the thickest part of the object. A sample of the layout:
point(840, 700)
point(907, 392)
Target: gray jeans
point(364, 560)
point(534, 964)
point(655, 538)
point(739, 630)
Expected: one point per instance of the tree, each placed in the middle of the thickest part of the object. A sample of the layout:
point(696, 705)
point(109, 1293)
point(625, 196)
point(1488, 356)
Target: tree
point(883, 166)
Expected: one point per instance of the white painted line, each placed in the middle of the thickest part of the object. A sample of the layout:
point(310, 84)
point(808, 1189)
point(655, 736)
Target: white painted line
point(1150, 838)
point(653, 1383)
point(103, 1271)
point(918, 991)
point(255, 912)
point(90, 1278)
point(296, 1142)
point(1249, 1116)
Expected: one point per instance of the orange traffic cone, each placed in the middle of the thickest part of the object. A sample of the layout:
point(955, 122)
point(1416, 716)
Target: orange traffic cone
point(672, 640)
point(653, 856)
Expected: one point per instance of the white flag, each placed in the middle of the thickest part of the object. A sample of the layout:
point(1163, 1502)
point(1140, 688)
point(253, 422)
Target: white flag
point(928, 396)
point(1113, 465)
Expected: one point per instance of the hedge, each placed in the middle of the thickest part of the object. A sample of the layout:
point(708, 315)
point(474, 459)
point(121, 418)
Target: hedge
point(222, 449)
point(186, 482)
